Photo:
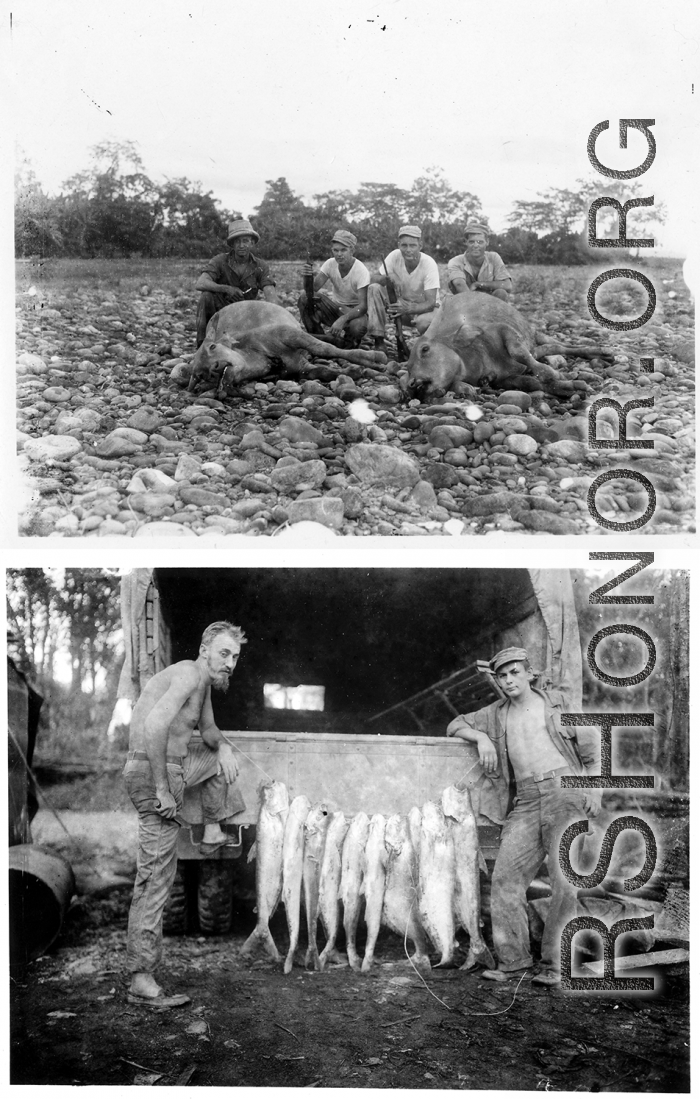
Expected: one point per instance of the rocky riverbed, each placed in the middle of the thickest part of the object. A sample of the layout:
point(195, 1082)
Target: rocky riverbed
point(110, 445)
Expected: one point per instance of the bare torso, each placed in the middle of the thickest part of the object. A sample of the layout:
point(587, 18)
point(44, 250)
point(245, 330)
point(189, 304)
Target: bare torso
point(530, 748)
point(185, 722)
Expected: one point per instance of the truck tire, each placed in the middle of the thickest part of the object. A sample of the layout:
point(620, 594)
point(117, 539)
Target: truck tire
point(215, 896)
point(175, 914)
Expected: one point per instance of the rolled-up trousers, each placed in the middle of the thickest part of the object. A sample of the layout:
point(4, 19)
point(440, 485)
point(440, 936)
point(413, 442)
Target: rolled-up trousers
point(156, 864)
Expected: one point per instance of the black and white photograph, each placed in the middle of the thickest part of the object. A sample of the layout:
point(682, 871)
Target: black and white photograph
point(389, 827)
point(372, 270)
point(287, 811)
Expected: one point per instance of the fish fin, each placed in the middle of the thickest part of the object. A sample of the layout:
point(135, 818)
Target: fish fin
point(482, 862)
point(253, 851)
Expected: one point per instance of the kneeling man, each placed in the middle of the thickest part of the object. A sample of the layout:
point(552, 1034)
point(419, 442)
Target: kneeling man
point(159, 766)
point(477, 269)
point(416, 280)
point(236, 275)
point(524, 731)
point(344, 305)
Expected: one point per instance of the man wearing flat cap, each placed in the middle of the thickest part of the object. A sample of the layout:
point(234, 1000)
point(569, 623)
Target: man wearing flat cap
point(521, 741)
point(477, 269)
point(236, 275)
point(416, 280)
point(342, 302)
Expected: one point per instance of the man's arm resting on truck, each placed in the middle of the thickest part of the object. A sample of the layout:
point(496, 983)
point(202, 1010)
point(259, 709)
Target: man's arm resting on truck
point(215, 739)
point(461, 728)
point(157, 730)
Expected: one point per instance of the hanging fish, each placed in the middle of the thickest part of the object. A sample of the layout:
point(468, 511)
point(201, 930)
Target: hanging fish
point(351, 881)
point(329, 891)
point(375, 880)
point(292, 862)
point(400, 910)
point(457, 807)
point(436, 881)
point(315, 831)
point(272, 818)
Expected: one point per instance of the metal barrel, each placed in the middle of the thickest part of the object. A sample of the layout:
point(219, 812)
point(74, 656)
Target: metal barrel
point(40, 888)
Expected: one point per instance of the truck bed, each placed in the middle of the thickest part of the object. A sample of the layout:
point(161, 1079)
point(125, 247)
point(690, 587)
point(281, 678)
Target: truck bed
point(374, 774)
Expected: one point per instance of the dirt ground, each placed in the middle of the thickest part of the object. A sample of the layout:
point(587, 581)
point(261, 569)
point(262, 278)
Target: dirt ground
point(249, 1025)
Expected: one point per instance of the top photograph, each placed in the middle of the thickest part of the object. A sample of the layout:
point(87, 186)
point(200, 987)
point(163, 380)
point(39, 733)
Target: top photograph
point(354, 271)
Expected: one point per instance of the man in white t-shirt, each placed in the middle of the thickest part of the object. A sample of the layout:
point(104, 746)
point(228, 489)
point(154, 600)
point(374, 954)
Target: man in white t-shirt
point(342, 301)
point(416, 280)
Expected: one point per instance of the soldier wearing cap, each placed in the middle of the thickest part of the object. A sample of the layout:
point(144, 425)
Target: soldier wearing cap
point(477, 269)
point(236, 275)
point(416, 280)
point(343, 305)
point(521, 738)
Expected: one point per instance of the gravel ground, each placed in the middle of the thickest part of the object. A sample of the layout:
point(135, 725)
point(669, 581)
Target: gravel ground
point(111, 446)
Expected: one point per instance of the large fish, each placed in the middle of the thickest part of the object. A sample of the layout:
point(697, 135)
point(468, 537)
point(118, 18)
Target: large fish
point(400, 911)
point(351, 881)
point(375, 880)
point(457, 807)
point(274, 807)
point(315, 831)
point(329, 892)
point(436, 881)
point(292, 862)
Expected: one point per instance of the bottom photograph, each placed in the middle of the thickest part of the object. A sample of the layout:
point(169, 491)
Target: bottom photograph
point(417, 828)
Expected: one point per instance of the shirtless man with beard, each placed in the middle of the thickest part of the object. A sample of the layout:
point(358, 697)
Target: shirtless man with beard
point(160, 764)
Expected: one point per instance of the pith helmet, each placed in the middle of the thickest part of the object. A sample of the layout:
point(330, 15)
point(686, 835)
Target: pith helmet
point(241, 228)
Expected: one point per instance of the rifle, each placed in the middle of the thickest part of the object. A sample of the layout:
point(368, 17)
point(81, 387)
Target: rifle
point(316, 328)
point(402, 352)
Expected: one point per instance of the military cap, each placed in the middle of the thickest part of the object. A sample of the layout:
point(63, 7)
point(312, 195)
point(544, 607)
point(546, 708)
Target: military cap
point(343, 236)
point(505, 656)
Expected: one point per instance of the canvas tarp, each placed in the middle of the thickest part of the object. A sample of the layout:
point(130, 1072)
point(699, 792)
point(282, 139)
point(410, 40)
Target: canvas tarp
point(139, 662)
point(555, 598)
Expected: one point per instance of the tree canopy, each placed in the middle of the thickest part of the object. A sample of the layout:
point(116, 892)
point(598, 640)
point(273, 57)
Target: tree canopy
point(113, 208)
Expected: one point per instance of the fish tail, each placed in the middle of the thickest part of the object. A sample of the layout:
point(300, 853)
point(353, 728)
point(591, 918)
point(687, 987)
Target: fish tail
point(261, 935)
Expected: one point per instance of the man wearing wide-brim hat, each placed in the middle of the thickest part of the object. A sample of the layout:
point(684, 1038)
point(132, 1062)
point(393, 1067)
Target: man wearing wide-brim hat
point(416, 279)
point(522, 735)
point(342, 301)
point(236, 275)
point(477, 269)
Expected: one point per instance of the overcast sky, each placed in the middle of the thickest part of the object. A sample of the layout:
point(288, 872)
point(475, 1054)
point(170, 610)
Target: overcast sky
point(501, 96)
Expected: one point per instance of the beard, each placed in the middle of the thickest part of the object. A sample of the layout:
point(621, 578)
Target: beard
point(220, 682)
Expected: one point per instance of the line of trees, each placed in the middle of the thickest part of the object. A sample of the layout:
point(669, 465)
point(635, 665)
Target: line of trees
point(64, 628)
point(114, 209)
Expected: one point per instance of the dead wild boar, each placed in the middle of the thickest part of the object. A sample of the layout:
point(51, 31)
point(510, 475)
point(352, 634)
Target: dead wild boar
point(474, 339)
point(245, 338)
